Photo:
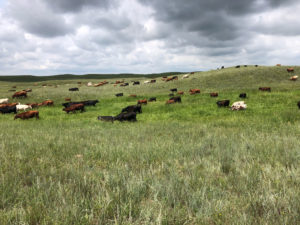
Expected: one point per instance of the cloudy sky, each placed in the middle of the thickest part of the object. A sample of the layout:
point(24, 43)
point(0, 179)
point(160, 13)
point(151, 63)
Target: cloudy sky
point(44, 37)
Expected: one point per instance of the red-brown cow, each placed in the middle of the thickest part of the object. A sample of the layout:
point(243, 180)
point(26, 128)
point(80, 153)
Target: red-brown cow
point(67, 99)
point(27, 115)
point(48, 102)
point(214, 94)
point(134, 96)
point(74, 107)
point(170, 102)
point(8, 105)
point(180, 92)
point(144, 101)
point(194, 91)
point(20, 94)
point(265, 89)
point(290, 70)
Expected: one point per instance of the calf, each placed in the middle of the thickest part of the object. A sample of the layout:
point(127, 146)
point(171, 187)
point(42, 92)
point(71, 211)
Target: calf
point(176, 99)
point(194, 91)
point(27, 115)
point(75, 107)
point(214, 94)
point(223, 103)
point(170, 102)
point(265, 89)
point(133, 108)
point(129, 116)
point(180, 92)
point(143, 101)
point(106, 118)
point(173, 89)
point(8, 109)
point(243, 95)
point(73, 89)
point(119, 94)
point(23, 107)
point(152, 99)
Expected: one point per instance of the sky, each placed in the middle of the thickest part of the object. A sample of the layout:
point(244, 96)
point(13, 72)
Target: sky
point(47, 37)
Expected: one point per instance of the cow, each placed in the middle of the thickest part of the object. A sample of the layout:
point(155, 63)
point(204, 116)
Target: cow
point(256, 65)
point(73, 89)
point(290, 70)
point(298, 104)
point(147, 82)
point(28, 90)
point(243, 95)
point(74, 107)
point(67, 99)
point(171, 94)
point(133, 108)
point(4, 100)
point(8, 109)
point(23, 107)
point(192, 72)
point(33, 105)
point(238, 66)
point(48, 102)
point(173, 89)
point(152, 81)
point(214, 94)
point(175, 77)
point(265, 89)
point(278, 64)
point(7, 105)
point(293, 78)
point(90, 102)
point(176, 99)
point(185, 76)
point(20, 94)
point(143, 101)
point(27, 115)
point(106, 118)
point(134, 96)
point(152, 99)
point(222, 67)
point(223, 103)
point(169, 79)
point(194, 91)
point(14, 86)
point(180, 92)
point(136, 83)
point(170, 102)
point(126, 116)
point(240, 105)
point(245, 65)
point(89, 84)
point(12, 90)
point(119, 94)
point(124, 84)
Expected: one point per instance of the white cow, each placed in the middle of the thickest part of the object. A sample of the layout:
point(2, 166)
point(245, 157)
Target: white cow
point(3, 100)
point(185, 76)
point(147, 82)
point(23, 107)
point(238, 105)
point(90, 84)
point(294, 78)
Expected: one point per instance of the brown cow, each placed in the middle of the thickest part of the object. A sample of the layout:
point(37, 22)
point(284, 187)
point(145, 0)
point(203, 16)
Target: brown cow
point(132, 96)
point(170, 102)
point(194, 91)
point(144, 101)
point(8, 105)
point(180, 92)
point(48, 102)
point(27, 115)
point(278, 64)
point(74, 107)
point(20, 94)
point(67, 99)
point(265, 89)
point(214, 94)
point(290, 70)
point(33, 105)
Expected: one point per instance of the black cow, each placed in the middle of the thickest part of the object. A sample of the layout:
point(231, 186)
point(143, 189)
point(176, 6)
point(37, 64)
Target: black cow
point(73, 89)
point(153, 81)
point(119, 94)
point(90, 102)
point(223, 103)
point(176, 99)
point(106, 118)
point(256, 65)
point(129, 116)
point(9, 109)
point(124, 84)
point(238, 66)
point(171, 94)
point(136, 83)
point(298, 104)
point(245, 65)
point(133, 108)
point(152, 99)
point(173, 89)
point(222, 67)
point(12, 90)
point(243, 95)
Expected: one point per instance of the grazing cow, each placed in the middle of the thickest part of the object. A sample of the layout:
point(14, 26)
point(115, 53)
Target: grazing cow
point(106, 118)
point(27, 115)
point(278, 64)
point(75, 107)
point(152, 81)
point(173, 89)
point(20, 94)
point(152, 99)
point(265, 89)
point(223, 103)
point(238, 66)
point(185, 76)
point(119, 94)
point(176, 99)
point(171, 94)
point(214, 94)
point(90, 102)
point(134, 96)
point(293, 78)
point(170, 102)
point(180, 92)
point(194, 91)
point(136, 83)
point(68, 99)
point(4, 100)
point(290, 70)
point(147, 82)
point(143, 101)
point(133, 108)
point(23, 107)
point(126, 116)
point(243, 95)
point(124, 84)
point(48, 102)
point(240, 105)
point(8, 109)
point(33, 105)
point(73, 89)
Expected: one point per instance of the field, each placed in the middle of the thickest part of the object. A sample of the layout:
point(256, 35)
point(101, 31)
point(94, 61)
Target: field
point(188, 163)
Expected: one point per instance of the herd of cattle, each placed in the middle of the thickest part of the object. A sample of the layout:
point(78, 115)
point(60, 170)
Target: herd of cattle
point(128, 113)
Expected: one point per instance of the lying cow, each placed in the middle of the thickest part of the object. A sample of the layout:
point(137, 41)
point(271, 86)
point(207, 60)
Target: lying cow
point(4, 101)
point(129, 116)
point(223, 103)
point(27, 115)
point(106, 118)
point(243, 95)
point(194, 91)
point(136, 83)
point(240, 105)
point(133, 108)
point(8, 109)
point(132, 95)
point(265, 89)
point(176, 99)
point(214, 94)
point(33, 105)
point(73, 89)
point(124, 84)
point(293, 78)
point(152, 99)
point(143, 101)
point(170, 102)
point(119, 94)
point(48, 102)
point(75, 107)
point(173, 89)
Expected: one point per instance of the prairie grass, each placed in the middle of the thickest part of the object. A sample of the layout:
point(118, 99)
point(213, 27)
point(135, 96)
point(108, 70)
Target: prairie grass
point(188, 163)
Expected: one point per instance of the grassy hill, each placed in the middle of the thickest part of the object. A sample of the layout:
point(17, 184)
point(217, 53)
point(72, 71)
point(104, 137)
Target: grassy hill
point(188, 163)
